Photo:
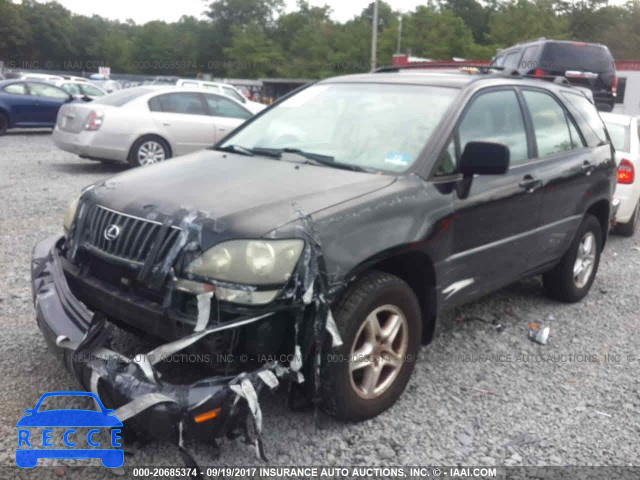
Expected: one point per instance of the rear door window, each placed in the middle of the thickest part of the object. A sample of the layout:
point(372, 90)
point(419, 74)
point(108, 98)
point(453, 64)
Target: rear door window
point(530, 58)
point(47, 91)
point(496, 117)
point(185, 103)
point(511, 60)
point(550, 123)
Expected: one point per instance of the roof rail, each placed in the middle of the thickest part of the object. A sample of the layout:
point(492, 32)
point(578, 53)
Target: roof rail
point(438, 65)
point(558, 79)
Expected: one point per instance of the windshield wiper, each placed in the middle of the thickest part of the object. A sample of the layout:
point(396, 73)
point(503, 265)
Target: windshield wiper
point(315, 158)
point(236, 149)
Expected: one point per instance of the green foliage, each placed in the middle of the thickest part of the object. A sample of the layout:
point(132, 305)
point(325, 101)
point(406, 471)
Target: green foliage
point(257, 38)
point(519, 20)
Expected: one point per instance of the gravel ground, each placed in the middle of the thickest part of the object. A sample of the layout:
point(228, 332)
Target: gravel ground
point(478, 396)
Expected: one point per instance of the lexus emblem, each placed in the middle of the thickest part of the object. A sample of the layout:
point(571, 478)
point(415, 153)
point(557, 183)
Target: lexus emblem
point(111, 232)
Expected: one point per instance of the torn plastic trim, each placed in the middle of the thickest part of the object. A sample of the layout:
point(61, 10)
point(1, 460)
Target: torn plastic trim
point(119, 376)
point(309, 289)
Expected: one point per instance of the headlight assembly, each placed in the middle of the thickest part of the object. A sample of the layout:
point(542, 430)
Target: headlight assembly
point(70, 215)
point(250, 262)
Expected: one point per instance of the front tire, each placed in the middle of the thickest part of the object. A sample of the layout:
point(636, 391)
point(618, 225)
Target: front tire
point(571, 279)
point(148, 150)
point(629, 228)
point(379, 320)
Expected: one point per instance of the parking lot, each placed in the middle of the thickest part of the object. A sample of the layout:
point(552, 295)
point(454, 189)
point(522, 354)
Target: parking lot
point(480, 394)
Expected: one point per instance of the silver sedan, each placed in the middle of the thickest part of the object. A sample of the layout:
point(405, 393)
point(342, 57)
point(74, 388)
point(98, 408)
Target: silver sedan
point(148, 124)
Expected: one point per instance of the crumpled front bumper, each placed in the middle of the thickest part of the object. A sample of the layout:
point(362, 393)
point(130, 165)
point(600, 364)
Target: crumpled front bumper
point(131, 386)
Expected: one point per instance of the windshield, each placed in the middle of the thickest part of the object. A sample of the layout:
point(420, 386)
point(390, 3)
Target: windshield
point(619, 136)
point(379, 126)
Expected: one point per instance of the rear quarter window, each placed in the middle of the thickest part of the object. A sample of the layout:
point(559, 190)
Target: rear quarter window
point(588, 114)
point(576, 56)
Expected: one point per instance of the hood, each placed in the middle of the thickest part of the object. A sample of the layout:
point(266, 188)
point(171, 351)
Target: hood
point(243, 196)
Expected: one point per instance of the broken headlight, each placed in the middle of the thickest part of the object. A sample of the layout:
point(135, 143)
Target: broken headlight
point(70, 215)
point(251, 263)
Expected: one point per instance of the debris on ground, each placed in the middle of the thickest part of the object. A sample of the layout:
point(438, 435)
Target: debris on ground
point(538, 333)
point(494, 323)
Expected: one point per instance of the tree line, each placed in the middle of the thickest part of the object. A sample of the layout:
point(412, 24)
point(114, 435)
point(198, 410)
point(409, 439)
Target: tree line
point(257, 38)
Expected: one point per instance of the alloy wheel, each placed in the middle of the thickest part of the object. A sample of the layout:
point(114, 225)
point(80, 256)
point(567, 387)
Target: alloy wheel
point(585, 260)
point(378, 351)
point(150, 152)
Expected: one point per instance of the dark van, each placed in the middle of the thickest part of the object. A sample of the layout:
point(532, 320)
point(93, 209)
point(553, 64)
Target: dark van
point(587, 65)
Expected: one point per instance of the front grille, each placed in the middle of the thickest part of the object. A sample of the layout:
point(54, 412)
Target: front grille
point(136, 236)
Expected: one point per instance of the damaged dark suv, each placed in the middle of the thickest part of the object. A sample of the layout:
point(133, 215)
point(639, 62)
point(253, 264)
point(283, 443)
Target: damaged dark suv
point(318, 243)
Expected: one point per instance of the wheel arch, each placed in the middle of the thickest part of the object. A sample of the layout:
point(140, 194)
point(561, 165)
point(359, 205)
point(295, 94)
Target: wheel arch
point(601, 210)
point(414, 267)
point(4, 111)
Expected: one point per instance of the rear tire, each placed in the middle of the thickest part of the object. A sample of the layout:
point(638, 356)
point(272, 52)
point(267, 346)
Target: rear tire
point(378, 314)
point(571, 279)
point(629, 228)
point(4, 124)
point(148, 150)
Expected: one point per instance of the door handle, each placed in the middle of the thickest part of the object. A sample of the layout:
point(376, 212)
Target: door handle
point(530, 183)
point(166, 124)
point(588, 167)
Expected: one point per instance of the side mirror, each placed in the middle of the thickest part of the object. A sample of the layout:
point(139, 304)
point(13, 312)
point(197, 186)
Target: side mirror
point(484, 158)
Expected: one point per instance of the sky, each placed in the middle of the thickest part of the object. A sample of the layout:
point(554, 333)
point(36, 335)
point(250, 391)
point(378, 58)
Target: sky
point(142, 11)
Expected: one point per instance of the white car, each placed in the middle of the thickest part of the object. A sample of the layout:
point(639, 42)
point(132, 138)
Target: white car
point(625, 136)
point(41, 77)
point(148, 124)
point(80, 89)
point(223, 89)
point(75, 79)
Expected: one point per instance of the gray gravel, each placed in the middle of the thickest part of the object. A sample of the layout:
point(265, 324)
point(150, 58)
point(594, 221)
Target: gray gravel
point(477, 396)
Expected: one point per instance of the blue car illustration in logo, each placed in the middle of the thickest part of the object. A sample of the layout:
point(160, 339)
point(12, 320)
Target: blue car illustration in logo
point(28, 457)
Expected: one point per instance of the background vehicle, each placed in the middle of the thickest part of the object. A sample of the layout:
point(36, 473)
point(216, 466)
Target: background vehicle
point(75, 79)
point(30, 104)
point(625, 136)
point(223, 89)
point(41, 77)
point(80, 89)
point(105, 83)
point(164, 81)
point(108, 86)
point(143, 125)
point(583, 64)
